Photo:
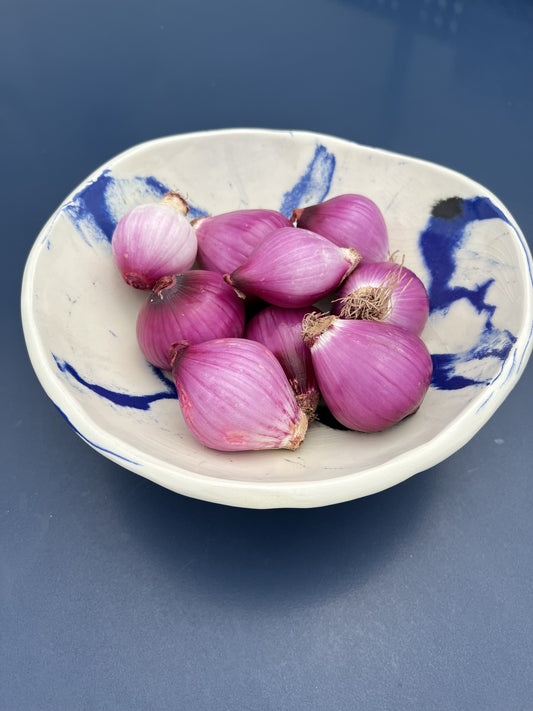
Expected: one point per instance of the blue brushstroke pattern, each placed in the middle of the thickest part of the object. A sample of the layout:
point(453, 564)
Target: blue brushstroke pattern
point(90, 203)
point(96, 446)
point(90, 206)
point(440, 243)
point(90, 210)
point(139, 402)
point(493, 343)
point(195, 211)
point(313, 186)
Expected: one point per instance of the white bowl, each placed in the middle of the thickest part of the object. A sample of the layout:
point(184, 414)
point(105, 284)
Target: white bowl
point(79, 316)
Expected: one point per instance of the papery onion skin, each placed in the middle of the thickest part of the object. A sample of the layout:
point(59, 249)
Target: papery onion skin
point(394, 294)
point(151, 241)
point(234, 396)
point(280, 330)
point(348, 220)
point(226, 240)
point(293, 268)
point(370, 374)
point(195, 306)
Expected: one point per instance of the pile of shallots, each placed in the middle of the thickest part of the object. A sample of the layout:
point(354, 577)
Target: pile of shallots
point(233, 312)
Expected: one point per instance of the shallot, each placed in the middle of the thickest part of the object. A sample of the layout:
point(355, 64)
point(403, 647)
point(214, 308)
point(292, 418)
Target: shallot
point(154, 240)
point(195, 306)
point(234, 396)
point(226, 240)
point(280, 330)
point(384, 291)
point(293, 268)
point(370, 374)
point(348, 220)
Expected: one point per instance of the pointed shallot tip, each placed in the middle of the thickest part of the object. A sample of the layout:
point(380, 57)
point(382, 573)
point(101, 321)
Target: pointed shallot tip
point(353, 257)
point(176, 200)
point(176, 351)
point(298, 432)
point(163, 283)
point(314, 325)
point(229, 280)
point(296, 214)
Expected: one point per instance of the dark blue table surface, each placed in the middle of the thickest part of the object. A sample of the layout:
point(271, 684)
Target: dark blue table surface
point(117, 594)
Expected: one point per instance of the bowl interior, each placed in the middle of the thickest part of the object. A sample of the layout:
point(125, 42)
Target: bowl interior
point(79, 316)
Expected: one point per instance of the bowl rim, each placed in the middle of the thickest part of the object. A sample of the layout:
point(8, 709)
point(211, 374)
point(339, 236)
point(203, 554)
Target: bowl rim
point(265, 494)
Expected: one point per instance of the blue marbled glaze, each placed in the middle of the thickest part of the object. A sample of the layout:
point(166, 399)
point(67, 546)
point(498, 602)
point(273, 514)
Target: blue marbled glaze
point(313, 186)
point(91, 214)
point(91, 206)
point(440, 243)
point(90, 203)
point(139, 402)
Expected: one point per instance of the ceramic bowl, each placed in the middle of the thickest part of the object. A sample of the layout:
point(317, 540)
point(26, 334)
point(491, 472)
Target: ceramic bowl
point(79, 316)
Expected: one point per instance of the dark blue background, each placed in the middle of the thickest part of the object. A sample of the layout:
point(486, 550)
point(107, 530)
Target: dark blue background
point(117, 594)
